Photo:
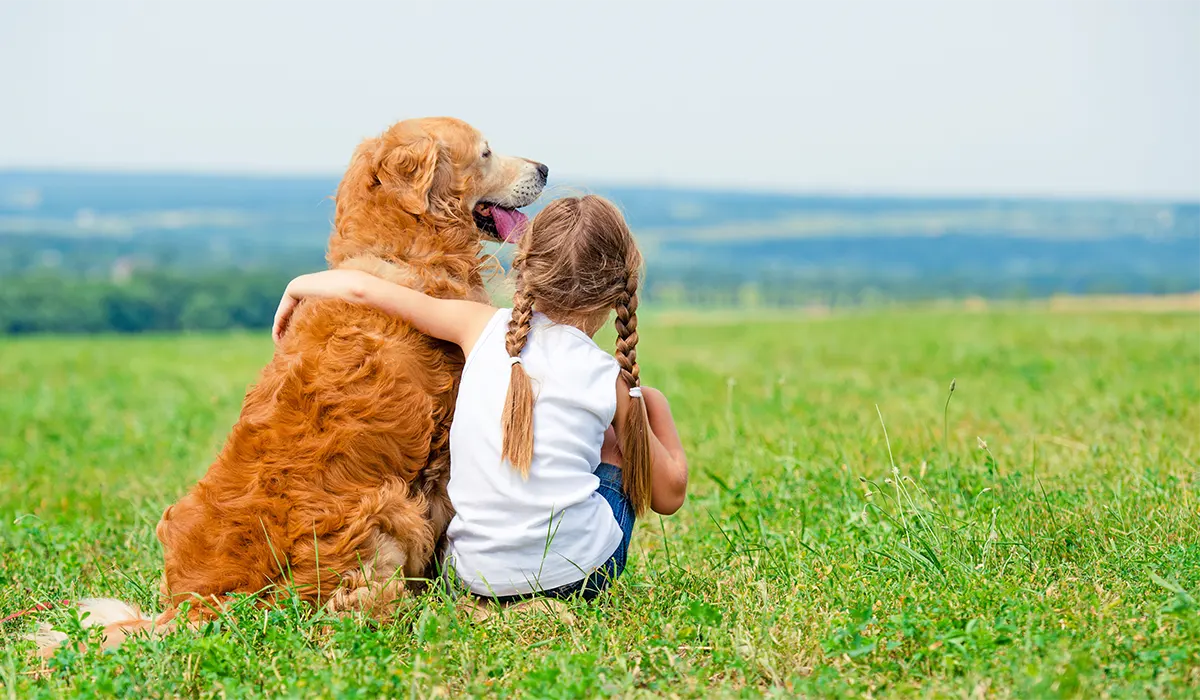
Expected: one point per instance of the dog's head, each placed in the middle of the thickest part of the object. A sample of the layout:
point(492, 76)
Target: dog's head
point(439, 175)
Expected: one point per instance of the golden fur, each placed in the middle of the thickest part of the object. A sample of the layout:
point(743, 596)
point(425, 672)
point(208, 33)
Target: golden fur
point(333, 480)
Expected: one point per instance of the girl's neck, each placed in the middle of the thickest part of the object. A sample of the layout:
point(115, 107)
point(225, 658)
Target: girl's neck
point(589, 322)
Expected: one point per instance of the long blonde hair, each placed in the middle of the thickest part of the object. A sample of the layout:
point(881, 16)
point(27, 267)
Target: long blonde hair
point(578, 259)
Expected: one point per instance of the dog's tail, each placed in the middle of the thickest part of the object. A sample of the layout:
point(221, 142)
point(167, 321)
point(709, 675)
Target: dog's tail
point(118, 619)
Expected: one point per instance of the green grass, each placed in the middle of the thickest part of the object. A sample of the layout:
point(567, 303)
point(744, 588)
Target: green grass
point(1046, 545)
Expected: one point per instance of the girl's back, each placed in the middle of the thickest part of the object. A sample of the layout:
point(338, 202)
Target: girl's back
point(510, 534)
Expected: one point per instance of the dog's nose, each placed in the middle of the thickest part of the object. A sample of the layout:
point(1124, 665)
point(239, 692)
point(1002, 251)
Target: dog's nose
point(543, 170)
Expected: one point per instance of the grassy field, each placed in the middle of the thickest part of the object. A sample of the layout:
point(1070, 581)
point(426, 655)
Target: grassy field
point(1039, 536)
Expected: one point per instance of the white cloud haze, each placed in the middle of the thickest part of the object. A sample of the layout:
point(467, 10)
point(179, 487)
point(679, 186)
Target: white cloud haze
point(954, 97)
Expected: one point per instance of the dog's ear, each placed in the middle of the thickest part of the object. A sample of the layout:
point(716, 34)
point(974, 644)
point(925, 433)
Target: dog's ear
point(406, 170)
point(359, 178)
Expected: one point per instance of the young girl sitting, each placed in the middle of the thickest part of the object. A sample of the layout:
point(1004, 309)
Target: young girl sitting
point(555, 445)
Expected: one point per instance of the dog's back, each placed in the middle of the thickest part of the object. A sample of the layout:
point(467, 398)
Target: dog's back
point(318, 478)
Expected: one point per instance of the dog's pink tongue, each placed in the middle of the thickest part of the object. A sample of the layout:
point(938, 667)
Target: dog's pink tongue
point(510, 223)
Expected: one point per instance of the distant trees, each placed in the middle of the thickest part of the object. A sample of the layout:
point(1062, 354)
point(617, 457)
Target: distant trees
point(147, 301)
point(209, 300)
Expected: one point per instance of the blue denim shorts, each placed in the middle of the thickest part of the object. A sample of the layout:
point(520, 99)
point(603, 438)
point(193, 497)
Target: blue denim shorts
point(611, 490)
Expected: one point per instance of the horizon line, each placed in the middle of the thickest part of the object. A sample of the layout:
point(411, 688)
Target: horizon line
point(633, 183)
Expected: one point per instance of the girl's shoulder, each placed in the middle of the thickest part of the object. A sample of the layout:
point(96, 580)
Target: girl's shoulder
point(491, 333)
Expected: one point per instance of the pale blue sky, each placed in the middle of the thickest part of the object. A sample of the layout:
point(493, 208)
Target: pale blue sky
point(954, 97)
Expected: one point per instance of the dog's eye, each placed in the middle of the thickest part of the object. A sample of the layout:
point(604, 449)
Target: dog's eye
point(487, 153)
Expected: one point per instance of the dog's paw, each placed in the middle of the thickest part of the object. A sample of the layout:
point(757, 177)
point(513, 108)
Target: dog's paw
point(47, 639)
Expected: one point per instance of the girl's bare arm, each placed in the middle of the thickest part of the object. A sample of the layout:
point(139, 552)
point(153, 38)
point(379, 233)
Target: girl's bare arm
point(669, 476)
point(453, 320)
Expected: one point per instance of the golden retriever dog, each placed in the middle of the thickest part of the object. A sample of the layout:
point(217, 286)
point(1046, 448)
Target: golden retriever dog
point(332, 483)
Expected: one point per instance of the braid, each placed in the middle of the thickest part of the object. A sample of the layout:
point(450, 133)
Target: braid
point(635, 442)
point(627, 337)
point(519, 324)
point(516, 424)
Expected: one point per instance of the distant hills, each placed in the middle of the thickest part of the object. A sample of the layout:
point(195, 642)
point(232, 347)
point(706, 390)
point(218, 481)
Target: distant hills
point(702, 246)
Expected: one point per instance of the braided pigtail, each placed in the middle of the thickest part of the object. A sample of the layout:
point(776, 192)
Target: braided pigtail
point(635, 437)
point(517, 423)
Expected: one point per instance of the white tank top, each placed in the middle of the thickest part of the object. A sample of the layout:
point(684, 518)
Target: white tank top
point(510, 535)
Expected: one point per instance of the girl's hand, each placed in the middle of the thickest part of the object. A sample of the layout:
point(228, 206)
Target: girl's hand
point(329, 284)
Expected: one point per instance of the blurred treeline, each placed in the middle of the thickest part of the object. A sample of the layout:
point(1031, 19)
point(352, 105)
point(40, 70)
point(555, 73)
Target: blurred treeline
point(203, 300)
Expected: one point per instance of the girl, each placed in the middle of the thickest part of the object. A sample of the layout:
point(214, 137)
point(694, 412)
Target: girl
point(555, 445)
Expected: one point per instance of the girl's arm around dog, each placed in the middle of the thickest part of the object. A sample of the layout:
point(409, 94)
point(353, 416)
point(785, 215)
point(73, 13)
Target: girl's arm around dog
point(453, 320)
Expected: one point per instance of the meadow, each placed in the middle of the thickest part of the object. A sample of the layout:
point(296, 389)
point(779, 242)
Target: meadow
point(917, 503)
